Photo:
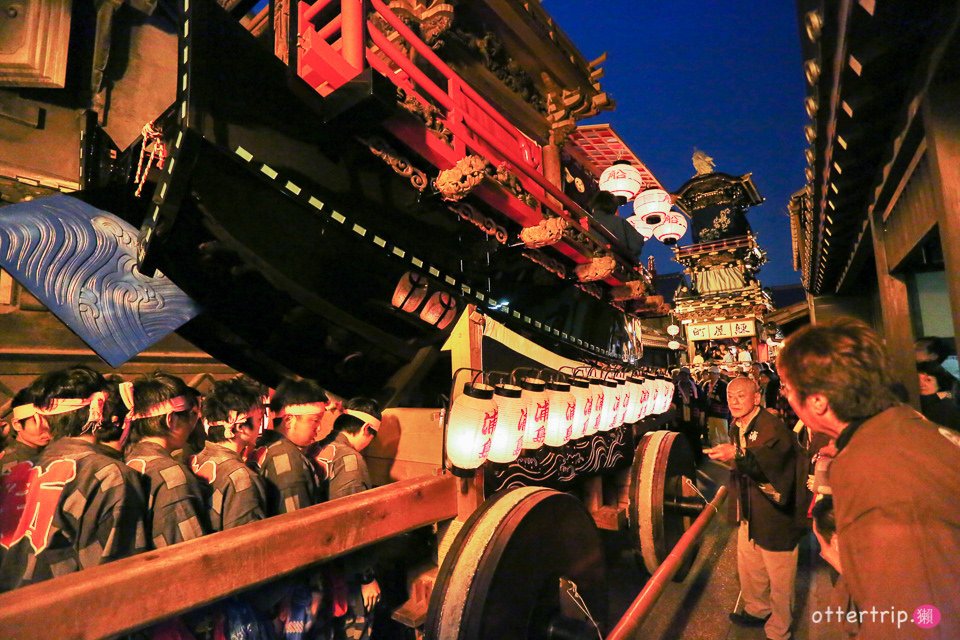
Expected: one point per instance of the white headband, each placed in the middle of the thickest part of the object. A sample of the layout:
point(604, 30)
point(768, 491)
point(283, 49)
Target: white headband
point(24, 412)
point(65, 405)
point(368, 419)
point(307, 409)
point(233, 420)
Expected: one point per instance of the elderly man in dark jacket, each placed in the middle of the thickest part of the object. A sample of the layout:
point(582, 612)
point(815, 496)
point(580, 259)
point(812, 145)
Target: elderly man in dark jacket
point(762, 488)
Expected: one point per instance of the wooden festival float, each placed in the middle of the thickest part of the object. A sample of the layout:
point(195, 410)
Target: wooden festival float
point(395, 200)
point(721, 297)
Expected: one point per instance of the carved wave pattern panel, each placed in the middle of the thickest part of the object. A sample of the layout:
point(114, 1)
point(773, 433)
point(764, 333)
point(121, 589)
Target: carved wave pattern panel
point(80, 262)
point(557, 467)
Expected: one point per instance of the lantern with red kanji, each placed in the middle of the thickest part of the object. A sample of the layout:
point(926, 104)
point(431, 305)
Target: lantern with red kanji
point(537, 413)
point(511, 423)
point(621, 179)
point(470, 426)
point(580, 388)
point(671, 229)
point(562, 413)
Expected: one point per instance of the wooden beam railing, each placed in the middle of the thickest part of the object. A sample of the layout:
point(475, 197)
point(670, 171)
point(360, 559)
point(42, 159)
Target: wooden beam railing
point(129, 594)
point(643, 604)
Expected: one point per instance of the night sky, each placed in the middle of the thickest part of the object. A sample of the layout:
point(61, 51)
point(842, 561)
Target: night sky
point(724, 77)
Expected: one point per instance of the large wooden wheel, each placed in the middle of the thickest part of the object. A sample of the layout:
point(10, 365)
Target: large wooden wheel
point(508, 573)
point(662, 501)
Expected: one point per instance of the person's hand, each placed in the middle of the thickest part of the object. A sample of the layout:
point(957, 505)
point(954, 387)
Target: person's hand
point(371, 594)
point(721, 452)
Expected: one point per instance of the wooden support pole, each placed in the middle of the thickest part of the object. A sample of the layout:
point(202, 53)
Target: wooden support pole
point(156, 585)
point(897, 329)
point(941, 122)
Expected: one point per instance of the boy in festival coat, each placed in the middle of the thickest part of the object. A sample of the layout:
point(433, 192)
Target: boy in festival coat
point(164, 415)
point(77, 508)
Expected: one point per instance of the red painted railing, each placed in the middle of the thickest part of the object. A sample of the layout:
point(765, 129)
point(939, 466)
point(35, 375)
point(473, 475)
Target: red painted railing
point(327, 60)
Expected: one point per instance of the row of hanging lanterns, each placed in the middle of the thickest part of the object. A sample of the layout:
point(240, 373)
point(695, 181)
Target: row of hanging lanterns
point(652, 216)
point(497, 422)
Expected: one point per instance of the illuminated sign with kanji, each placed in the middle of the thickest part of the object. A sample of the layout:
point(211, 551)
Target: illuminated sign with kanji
point(722, 330)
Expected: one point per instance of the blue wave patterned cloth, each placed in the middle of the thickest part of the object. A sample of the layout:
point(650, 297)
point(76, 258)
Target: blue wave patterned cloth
point(80, 262)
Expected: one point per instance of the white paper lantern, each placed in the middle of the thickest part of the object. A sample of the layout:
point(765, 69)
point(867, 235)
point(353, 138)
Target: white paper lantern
point(622, 179)
point(672, 228)
point(673, 344)
point(649, 396)
point(673, 329)
point(643, 227)
point(653, 204)
point(626, 393)
point(598, 392)
point(635, 408)
point(580, 388)
point(562, 412)
point(539, 407)
point(470, 426)
point(511, 423)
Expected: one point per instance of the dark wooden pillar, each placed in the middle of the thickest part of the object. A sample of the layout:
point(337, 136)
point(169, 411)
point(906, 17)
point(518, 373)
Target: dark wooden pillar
point(941, 120)
point(897, 329)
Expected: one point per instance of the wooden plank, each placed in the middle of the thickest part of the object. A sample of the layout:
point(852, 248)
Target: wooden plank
point(895, 306)
point(912, 215)
point(610, 518)
point(176, 579)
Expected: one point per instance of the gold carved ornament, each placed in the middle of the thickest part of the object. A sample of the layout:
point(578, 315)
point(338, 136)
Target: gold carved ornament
point(455, 183)
point(549, 231)
point(597, 269)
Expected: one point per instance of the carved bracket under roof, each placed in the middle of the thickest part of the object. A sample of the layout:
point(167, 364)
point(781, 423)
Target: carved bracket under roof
point(427, 113)
point(471, 214)
point(432, 18)
point(400, 164)
point(459, 180)
point(566, 106)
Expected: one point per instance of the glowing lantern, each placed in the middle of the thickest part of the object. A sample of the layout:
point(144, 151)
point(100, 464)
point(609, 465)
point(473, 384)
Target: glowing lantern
point(598, 393)
point(673, 344)
point(649, 396)
point(580, 388)
point(440, 310)
point(644, 228)
point(672, 228)
point(651, 206)
point(635, 408)
point(561, 414)
point(470, 426)
point(511, 423)
point(622, 179)
point(611, 407)
point(626, 394)
point(410, 292)
point(673, 330)
point(539, 407)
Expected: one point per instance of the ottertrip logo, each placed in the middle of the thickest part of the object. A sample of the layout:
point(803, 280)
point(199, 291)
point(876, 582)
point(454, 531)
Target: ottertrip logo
point(28, 502)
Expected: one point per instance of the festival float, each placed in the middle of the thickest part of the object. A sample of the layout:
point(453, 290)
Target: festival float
point(395, 200)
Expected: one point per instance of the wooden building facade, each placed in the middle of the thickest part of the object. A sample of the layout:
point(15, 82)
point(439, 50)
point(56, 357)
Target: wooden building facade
point(876, 229)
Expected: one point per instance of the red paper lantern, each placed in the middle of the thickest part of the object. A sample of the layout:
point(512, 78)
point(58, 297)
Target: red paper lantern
point(410, 292)
point(440, 310)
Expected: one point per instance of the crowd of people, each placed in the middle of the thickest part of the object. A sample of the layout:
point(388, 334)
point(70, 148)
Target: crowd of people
point(99, 469)
point(876, 481)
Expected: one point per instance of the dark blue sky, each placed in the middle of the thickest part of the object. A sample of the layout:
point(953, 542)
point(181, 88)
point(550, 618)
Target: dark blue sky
point(721, 76)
